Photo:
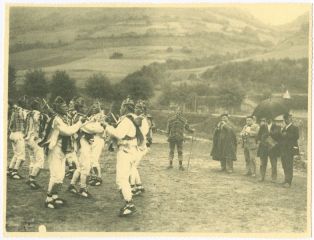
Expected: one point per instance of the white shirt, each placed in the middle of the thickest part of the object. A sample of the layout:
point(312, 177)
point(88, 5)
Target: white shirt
point(145, 126)
point(125, 128)
point(63, 129)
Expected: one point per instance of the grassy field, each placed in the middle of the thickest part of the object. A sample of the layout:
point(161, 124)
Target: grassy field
point(201, 200)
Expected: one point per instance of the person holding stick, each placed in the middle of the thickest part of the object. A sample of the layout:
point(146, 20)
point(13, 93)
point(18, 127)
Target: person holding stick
point(175, 132)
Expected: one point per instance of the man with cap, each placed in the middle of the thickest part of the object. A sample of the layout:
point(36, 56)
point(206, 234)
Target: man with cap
point(267, 138)
point(249, 134)
point(85, 141)
point(289, 148)
point(129, 137)
point(135, 179)
point(33, 135)
point(17, 129)
point(58, 144)
point(175, 131)
point(224, 147)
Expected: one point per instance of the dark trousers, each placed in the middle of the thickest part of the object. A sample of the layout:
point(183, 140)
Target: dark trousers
point(287, 165)
point(226, 164)
point(263, 166)
point(172, 146)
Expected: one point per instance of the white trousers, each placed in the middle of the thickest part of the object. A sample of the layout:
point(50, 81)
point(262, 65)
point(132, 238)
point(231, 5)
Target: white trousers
point(18, 145)
point(135, 176)
point(71, 157)
point(56, 161)
point(84, 163)
point(126, 158)
point(97, 148)
point(36, 156)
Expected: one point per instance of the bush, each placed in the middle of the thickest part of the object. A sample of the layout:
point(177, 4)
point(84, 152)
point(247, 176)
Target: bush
point(98, 86)
point(136, 86)
point(62, 85)
point(116, 55)
point(35, 84)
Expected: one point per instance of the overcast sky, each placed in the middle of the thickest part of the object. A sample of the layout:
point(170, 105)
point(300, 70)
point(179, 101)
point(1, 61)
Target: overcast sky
point(276, 14)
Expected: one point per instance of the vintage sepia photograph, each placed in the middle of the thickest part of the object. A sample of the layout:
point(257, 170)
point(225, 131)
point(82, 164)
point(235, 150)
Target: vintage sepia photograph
point(170, 119)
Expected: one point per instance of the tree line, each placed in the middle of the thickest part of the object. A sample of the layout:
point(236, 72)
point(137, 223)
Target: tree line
point(272, 73)
point(37, 84)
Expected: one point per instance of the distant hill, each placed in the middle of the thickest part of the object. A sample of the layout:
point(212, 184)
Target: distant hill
point(81, 40)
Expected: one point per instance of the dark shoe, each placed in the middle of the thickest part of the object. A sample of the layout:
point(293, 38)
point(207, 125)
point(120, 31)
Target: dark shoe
point(69, 175)
point(84, 193)
point(51, 205)
point(170, 167)
point(141, 188)
point(136, 192)
point(72, 189)
point(248, 174)
point(181, 168)
point(9, 173)
point(96, 182)
point(59, 201)
point(16, 176)
point(91, 180)
point(33, 185)
point(127, 210)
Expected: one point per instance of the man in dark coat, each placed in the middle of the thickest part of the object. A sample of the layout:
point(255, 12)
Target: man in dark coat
point(175, 132)
point(289, 148)
point(268, 137)
point(224, 144)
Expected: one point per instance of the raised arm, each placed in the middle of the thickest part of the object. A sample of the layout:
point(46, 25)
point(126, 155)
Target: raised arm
point(93, 128)
point(121, 130)
point(64, 129)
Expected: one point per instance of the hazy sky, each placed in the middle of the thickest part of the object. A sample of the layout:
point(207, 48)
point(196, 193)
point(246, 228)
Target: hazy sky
point(275, 14)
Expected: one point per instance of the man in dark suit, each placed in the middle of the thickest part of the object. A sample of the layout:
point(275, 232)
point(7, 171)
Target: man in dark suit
point(268, 137)
point(224, 147)
point(289, 148)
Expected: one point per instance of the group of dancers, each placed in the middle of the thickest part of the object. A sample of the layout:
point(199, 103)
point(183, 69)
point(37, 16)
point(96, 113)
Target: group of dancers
point(71, 137)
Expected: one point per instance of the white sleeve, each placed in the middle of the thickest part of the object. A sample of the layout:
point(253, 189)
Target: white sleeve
point(93, 128)
point(64, 129)
point(121, 130)
point(145, 127)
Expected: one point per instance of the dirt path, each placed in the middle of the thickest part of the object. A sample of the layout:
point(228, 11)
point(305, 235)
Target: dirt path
point(202, 200)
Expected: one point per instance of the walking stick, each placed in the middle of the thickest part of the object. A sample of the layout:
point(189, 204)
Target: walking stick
point(191, 148)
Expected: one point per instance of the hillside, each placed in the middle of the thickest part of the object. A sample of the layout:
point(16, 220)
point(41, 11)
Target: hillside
point(81, 40)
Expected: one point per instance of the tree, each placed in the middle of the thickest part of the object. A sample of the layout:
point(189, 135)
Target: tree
point(99, 86)
point(35, 83)
point(231, 94)
point(62, 85)
point(12, 82)
point(137, 86)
